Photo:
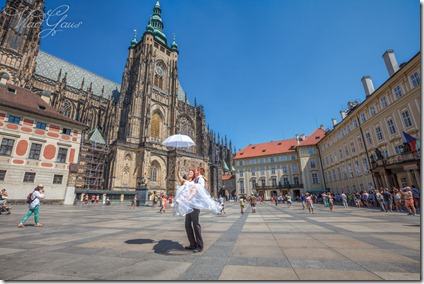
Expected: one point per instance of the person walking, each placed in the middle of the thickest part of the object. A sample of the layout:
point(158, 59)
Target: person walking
point(34, 206)
point(330, 197)
point(380, 200)
point(164, 200)
point(409, 201)
point(134, 202)
point(241, 202)
point(253, 203)
point(344, 200)
point(309, 203)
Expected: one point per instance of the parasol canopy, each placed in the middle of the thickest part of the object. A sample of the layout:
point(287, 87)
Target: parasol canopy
point(178, 141)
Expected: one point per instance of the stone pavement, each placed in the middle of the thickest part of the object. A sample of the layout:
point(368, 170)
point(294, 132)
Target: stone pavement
point(276, 243)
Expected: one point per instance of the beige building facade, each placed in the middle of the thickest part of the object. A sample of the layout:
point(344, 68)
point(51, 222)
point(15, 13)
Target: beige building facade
point(282, 167)
point(365, 150)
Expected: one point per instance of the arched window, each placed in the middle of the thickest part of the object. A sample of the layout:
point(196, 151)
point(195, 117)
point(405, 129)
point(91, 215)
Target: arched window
point(153, 174)
point(155, 125)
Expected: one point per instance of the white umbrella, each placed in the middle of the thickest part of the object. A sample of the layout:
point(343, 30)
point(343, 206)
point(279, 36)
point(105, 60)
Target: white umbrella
point(178, 141)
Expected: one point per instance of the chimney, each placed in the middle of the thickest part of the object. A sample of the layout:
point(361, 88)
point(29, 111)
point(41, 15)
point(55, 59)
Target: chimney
point(343, 114)
point(391, 62)
point(334, 122)
point(368, 85)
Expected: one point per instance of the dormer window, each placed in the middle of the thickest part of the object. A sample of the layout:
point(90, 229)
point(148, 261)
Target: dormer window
point(11, 90)
point(40, 107)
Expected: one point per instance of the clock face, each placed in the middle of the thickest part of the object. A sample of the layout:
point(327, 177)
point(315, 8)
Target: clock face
point(159, 71)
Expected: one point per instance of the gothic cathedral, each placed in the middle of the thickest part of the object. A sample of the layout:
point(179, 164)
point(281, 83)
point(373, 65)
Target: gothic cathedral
point(134, 117)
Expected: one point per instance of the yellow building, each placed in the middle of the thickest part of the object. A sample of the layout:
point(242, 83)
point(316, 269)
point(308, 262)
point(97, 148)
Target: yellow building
point(281, 167)
point(365, 150)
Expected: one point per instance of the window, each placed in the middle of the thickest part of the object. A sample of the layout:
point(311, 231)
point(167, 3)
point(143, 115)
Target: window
point(368, 137)
point(342, 133)
point(339, 173)
point(66, 131)
point(283, 158)
point(348, 128)
point(415, 79)
point(346, 151)
point(155, 125)
point(262, 170)
point(334, 174)
point(311, 151)
point(315, 178)
point(272, 160)
point(352, 147)
point(360, 142)
point(2, 175)
point(29, 177)
point(398, 149)
point(40, 125)
point(313, 166)
point(365, 163)
point(274, 181)
point(285, 170)
point(14, 119)
point(293, 157)
point(6, 147)
point(363, 117)
point(340, 153)
point(398, 92)
point(294, 168)
point(35, 151)
point(273, 170)
point(372, 111)
point(286, 181)
point(153, 174)
point(349, 168)
point(379, 133)
point(263, 182)
point(383, 102)
point(355, 123)
point(241, 173)
point(57, 179)
point(406, 118)
point(241, 184)
point(296, 180)
point(61, 155)
point(391, 126)
point(252, 171)
point(358, 169)
point(344, 172)
point(240, 163)
point(253, 183)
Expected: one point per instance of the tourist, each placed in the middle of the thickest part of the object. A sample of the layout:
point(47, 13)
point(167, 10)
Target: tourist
point(34, 206)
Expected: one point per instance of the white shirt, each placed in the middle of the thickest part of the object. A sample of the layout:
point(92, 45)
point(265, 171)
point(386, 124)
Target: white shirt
point(36, 196)
point(201, 180)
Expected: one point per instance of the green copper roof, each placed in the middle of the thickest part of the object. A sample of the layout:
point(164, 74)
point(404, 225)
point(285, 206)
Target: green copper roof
point(155, 24)
point(95, 136)
point(226, 166)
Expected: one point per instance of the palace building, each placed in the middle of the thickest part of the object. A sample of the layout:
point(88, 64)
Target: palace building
point(132, 117)
point(375, 145)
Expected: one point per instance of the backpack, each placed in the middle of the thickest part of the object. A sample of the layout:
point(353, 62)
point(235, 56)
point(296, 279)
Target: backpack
point(29, 200)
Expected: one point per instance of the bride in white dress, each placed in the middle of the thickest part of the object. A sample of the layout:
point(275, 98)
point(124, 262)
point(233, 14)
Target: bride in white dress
point(191, 195)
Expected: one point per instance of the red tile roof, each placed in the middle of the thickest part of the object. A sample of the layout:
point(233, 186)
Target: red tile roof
point(227, 177)
point(314, 138)
point(279, 147)
point(28, 101)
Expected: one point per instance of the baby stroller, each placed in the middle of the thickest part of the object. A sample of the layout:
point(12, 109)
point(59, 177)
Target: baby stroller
point(4, 209)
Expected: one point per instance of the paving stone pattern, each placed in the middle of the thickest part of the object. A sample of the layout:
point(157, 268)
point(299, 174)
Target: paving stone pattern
point(97, 242)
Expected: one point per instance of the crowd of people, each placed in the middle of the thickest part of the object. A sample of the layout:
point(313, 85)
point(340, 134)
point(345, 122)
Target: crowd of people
point(396, 200)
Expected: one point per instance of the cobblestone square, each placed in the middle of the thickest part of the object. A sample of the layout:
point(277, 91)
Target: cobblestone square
point(97, 242)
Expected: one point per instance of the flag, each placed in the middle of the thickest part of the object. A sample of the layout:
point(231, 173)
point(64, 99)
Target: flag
point(412, 142)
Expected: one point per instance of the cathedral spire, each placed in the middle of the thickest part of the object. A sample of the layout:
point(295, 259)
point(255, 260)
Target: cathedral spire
point(155, 24)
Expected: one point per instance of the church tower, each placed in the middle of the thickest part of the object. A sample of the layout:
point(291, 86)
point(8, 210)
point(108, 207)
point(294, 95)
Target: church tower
point(153, 106)
point(20, 27)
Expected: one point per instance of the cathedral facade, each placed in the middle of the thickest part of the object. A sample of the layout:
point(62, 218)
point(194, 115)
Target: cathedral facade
point(134, 117)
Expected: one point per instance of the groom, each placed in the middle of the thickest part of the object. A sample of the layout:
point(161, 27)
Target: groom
point(192, 225)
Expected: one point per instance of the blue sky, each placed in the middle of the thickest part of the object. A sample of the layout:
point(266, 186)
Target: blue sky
point(264, 70)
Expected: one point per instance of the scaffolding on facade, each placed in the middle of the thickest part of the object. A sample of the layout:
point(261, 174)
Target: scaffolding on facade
point(93, 153)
